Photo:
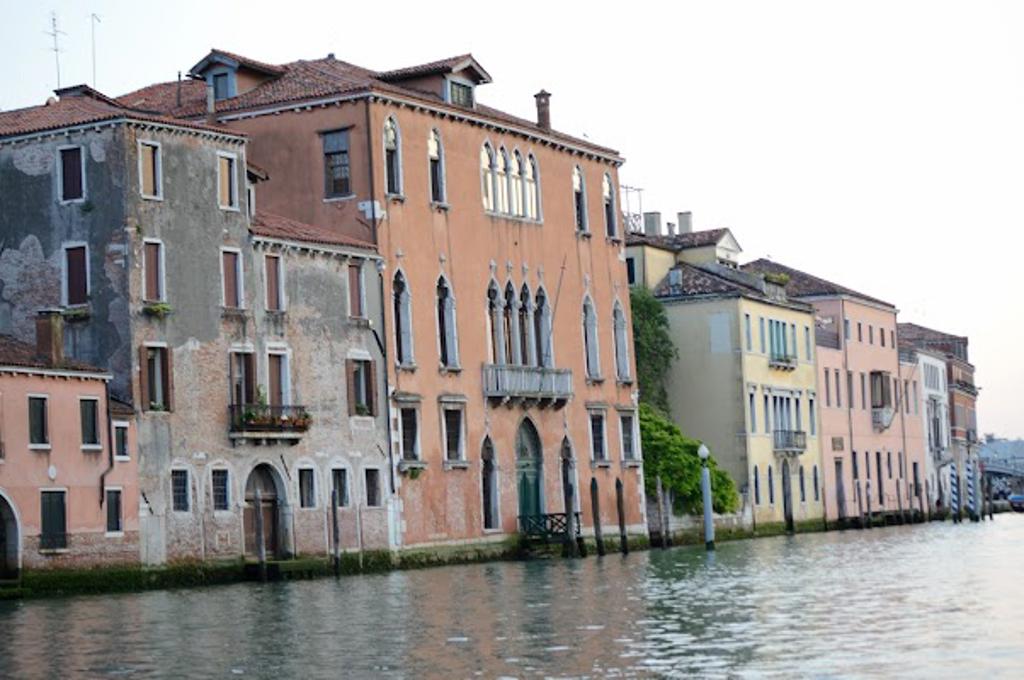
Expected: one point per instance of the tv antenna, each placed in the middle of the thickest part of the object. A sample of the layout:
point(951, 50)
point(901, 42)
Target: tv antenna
point(55, 33)
point(94, 19)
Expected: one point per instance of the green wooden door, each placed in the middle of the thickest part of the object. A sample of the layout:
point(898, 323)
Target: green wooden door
point(529, 464)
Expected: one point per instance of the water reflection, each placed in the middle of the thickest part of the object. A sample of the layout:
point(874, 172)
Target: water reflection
point(936, 601)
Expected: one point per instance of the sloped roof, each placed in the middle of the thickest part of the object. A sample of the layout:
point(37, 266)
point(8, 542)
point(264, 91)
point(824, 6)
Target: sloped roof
point(714, 279)
point(20, 354)
point(677, 242)
point(240, 60)
point(306, 80)
point(913, 331)
point(447, 65)
point(802, 284)
point(80, 105)
point(274, 226)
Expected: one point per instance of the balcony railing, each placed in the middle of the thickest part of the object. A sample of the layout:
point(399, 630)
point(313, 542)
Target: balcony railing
point(546, 527)
point(264, 418)
point(552, 385)
point(881, 417)
point(966, 386)
point(790, 441)
point(783, 360)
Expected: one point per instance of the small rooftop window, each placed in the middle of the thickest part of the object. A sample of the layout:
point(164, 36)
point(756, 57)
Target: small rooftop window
point(460, 94)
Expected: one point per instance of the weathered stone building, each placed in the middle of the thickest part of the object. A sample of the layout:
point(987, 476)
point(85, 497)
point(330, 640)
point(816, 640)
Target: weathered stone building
point(510, 368)
point(243, 342)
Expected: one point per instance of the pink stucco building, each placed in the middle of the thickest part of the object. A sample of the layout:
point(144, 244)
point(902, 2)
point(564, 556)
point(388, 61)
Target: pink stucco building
point(872, 448)
point(68, 476)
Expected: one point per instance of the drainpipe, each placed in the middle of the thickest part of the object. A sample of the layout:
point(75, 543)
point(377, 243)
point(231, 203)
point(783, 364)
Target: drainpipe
point(849, 410)
point(110, 448)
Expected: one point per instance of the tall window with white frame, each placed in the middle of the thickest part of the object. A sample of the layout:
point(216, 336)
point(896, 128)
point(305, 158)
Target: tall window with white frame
point(579, 199)
point(515, 185)
point(76, 274)
point(71, 171)
point(392, 158)
point(231, 276)
point(220, 489)
point(622, 369)
point(227, 181)
point(307, 488)
point(339, 485)
point(179, 490)
point(593, 361)
point(626, 426)
point(38, 422)
point(409, 422)
point(89, 412)
point(337, 173)
point(487, 176)
point(452, 420)
point(608, 199)
point(153, 289)
point(274, 279)
point(501, 182)
point(150, 170)
point(446, 336)
point(362, 397)
point(155, 378)
point(435, 160)
point(115, 523)
point(598, 450)
point(531, 191)
point(402, 308)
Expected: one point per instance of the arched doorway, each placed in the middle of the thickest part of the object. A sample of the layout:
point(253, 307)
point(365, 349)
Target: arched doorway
point(787, 495)
point(529, 468)
point(10, 541)
point(266, 480)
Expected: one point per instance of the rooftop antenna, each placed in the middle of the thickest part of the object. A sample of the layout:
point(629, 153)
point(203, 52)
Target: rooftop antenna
point(54, 33)
point(634, 219)
point(94, 19)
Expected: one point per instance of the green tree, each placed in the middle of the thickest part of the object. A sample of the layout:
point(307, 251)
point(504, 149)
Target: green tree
point(653, 346)
point(673, 456)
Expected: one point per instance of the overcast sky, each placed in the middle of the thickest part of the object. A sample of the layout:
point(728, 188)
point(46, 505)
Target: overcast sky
point(877, 144)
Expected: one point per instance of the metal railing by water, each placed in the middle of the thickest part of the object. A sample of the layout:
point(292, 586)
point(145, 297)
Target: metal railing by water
point(549, 526)
point(790, 440)
point(527, 382)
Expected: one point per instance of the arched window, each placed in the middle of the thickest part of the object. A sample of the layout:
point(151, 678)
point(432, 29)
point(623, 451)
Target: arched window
point(526, 346)
point(435, 154)
point(531, 195)
point(609, 206)
point(487, 176)
point(542, 330)
point(590, 339)
point(512, 326)
point(447, 343)
point(803, 486)
point(621, 343)
point(771, 486)
point(579, 198)
point(489, 482)
point(496, 323)
point(515, 185)
point(757, 487)
point(392, 157)
point(403, 320)
point(501, 182)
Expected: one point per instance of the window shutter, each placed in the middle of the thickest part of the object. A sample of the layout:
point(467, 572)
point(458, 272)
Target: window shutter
point(230, 267)
point(273, 284)
point(76, 275)
point(350, 380)
point(250, 378)
point(143, 378)
point(276, 368)
point(152, 264)
point(168, 367)
point(71, 173)
point(224, 178)
point(148, 170)
point(372, 387)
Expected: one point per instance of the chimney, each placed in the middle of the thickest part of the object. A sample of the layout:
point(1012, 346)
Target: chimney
point(685, 222)
point(210, 105)
point(50, 336)
point(652, 223)
point(178, 98)
point(543, 109)
point(670, 228)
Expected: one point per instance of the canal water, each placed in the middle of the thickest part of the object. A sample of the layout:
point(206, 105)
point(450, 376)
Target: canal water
point(936, 601)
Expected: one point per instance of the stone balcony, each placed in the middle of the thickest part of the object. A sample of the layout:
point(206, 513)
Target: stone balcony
point(784, 361)
point(528, 385)
point(264, 424)
point(789, 441)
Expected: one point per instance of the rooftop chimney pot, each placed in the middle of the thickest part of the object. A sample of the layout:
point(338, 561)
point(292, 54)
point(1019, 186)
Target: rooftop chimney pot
point(543, 109)
point(211, 107)
point(50, 336)
point(684, 221)
point(652, 223)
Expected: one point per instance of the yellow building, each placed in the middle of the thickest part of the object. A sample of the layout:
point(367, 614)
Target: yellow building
point(745, 380)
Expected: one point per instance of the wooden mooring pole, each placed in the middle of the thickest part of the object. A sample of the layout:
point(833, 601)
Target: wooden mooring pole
point(336, 533)
point(261, 546)
point(595, 509)
point(620, 507)
point(662, 520)
point(569, 546)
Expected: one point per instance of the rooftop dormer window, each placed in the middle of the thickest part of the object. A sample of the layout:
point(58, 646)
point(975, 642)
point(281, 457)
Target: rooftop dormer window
point(221, 86)
point(460, 94)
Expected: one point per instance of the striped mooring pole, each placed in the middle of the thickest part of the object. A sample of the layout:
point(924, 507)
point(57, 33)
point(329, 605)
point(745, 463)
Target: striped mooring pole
point(969, 483)
point(954, 493)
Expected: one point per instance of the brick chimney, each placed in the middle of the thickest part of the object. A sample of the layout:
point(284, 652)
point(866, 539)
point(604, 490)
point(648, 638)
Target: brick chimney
point(50, 336)
point(543, 109)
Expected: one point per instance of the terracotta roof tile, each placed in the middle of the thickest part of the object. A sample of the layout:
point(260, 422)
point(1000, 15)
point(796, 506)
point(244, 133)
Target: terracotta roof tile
point(80, 105)
point(23, 355)
point(286, 229)
point(802, 284)
point(249, 63)
point(677, 242)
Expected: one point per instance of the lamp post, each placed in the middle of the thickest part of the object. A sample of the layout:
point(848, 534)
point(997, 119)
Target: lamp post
point(705, 491)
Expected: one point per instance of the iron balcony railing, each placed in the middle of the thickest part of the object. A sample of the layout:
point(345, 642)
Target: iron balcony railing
point(264, 418)
point(784, 360)
point(53, 541)
point(546, 527)
point(790, 440)
point(527, 382)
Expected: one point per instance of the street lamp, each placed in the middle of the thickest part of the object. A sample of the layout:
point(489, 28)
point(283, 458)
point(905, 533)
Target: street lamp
point(705, 491)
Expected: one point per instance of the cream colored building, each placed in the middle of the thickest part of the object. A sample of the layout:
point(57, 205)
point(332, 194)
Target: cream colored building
point(745, 380)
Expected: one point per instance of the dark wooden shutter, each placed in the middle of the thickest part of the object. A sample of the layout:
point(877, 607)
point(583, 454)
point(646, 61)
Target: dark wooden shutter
point(152, 264)
point(71, 174)
point(371, 387)
point(350, 380)
point(231, 279)
point(168, 368)
point(273, 283)
point(276, 367)
point(144, 378)
point(76, 274)
point(355, 297)
point(250, 378)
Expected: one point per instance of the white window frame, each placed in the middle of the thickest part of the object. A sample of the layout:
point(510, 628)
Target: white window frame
point(239, 274)
point(99, 432)
point(60, 175)
point(444, 170)
point(162, 281)
point(580, 226)
point(402, 406)
point(361, 265)
point(188, 490)
point(106, 533)
point(633, 435)
point(280, 349)
point(234, 181)
point(380, 489)
point(65, 247)
point(339, 465)
point(445, 406)
point(158, 179)
point(121, 425)
point(399, 176)
point(165, 384)
point(213, 498)
point(28, 421)
point(448, 80)
point(298, 480)
point(282, 301)
point(604, 435)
